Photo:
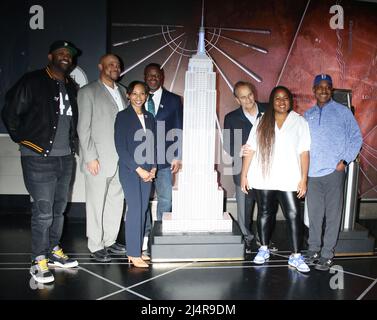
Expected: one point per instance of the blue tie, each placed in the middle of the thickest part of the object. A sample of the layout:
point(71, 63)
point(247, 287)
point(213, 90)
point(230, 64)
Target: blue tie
point(151, 104)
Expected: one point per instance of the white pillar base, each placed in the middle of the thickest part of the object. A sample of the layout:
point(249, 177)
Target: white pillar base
point(170, 225)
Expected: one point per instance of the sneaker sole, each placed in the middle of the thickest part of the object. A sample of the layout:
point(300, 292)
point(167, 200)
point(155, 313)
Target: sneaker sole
point(43, 280)
point(302, 274)
point(261, 262)
point(293, 267)
point(65, 266)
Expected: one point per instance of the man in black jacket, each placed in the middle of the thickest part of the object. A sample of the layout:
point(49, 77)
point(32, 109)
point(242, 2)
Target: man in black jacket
point(237, 126)
point(40, 114)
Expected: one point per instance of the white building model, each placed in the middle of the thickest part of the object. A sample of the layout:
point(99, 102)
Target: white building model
point(198, 200)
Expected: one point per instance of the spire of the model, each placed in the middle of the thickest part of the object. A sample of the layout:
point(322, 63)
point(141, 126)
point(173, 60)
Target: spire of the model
point(201, 44)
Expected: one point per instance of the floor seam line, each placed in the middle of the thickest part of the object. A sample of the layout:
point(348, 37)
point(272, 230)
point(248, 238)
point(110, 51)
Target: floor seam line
point(102, 278)
point(111, 282)
point(367, 290)
point(160, 275)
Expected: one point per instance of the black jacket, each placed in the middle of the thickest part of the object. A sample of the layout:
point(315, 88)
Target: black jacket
point(31, 111)
point(237, 120)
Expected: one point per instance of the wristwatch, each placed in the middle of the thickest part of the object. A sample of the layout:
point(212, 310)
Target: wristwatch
point(345, 162)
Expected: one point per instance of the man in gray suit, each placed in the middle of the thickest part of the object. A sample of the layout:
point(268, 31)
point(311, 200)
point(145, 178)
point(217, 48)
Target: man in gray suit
point(98, 104)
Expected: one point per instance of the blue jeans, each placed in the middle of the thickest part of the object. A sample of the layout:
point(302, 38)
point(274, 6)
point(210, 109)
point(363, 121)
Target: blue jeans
point(163, 186)
point(47, 179)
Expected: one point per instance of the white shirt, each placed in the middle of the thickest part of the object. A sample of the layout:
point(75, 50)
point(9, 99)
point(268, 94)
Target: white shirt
point(142, 121)
point(157, 99)
point(292, 139)
point(249, 116)
point(116, 95)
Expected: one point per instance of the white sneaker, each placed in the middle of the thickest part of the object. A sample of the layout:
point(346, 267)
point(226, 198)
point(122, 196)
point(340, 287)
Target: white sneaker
point(262, 255)
point(145, 243)
point(297, 261)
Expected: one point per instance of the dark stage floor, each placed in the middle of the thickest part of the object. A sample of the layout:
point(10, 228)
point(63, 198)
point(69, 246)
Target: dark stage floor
point(353, 278)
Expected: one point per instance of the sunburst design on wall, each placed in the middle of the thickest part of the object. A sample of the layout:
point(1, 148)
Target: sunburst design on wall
point(176, 40)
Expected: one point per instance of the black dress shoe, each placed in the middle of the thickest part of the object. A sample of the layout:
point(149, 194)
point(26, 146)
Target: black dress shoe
point(248, 244)
point(273, 247)
point(323, 264)
point(116, 248)
point(100, 256)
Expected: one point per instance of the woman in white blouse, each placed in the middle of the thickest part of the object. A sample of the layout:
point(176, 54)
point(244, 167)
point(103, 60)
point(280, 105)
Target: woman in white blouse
point(275, 164)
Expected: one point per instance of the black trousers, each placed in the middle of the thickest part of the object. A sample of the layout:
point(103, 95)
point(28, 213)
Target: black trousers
point(267, 201)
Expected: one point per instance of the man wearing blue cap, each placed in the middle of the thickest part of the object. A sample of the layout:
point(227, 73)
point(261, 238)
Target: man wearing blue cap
point(335, 142)
point(41, 114)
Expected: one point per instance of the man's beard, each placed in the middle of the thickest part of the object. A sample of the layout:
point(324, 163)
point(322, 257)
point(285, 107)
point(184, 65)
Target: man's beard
point(65, 69)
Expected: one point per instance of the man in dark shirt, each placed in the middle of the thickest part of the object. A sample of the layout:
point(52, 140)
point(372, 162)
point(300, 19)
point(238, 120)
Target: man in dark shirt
point(237, 126)
point(40, 114)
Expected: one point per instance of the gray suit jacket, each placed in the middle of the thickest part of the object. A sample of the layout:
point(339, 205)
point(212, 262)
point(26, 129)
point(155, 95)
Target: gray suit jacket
point(95, 128)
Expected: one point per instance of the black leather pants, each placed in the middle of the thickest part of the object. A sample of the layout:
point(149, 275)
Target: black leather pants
point(267, 201)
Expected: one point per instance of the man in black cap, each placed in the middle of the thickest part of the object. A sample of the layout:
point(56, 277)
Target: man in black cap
point(41, 114)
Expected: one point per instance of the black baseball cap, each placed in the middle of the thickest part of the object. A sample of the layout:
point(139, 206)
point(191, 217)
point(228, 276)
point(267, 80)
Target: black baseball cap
point(63, 44)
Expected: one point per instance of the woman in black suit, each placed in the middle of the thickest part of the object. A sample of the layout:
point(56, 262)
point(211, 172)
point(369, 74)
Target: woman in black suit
point(136, 147)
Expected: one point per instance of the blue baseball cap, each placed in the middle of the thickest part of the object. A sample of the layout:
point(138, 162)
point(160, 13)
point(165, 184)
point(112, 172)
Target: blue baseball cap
point(322, 77)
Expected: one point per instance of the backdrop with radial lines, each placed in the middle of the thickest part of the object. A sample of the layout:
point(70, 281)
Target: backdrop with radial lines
point(265, 42)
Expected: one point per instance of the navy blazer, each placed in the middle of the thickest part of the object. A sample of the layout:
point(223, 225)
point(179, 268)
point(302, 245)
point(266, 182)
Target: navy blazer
point(127, 124)
point(170, 111)
point(237, 120)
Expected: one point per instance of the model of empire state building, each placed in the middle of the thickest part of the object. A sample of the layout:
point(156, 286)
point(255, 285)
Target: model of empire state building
point(198, 200)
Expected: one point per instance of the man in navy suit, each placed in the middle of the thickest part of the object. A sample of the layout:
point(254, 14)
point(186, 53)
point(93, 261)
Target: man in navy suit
point(168, 111)
point(237, 126)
